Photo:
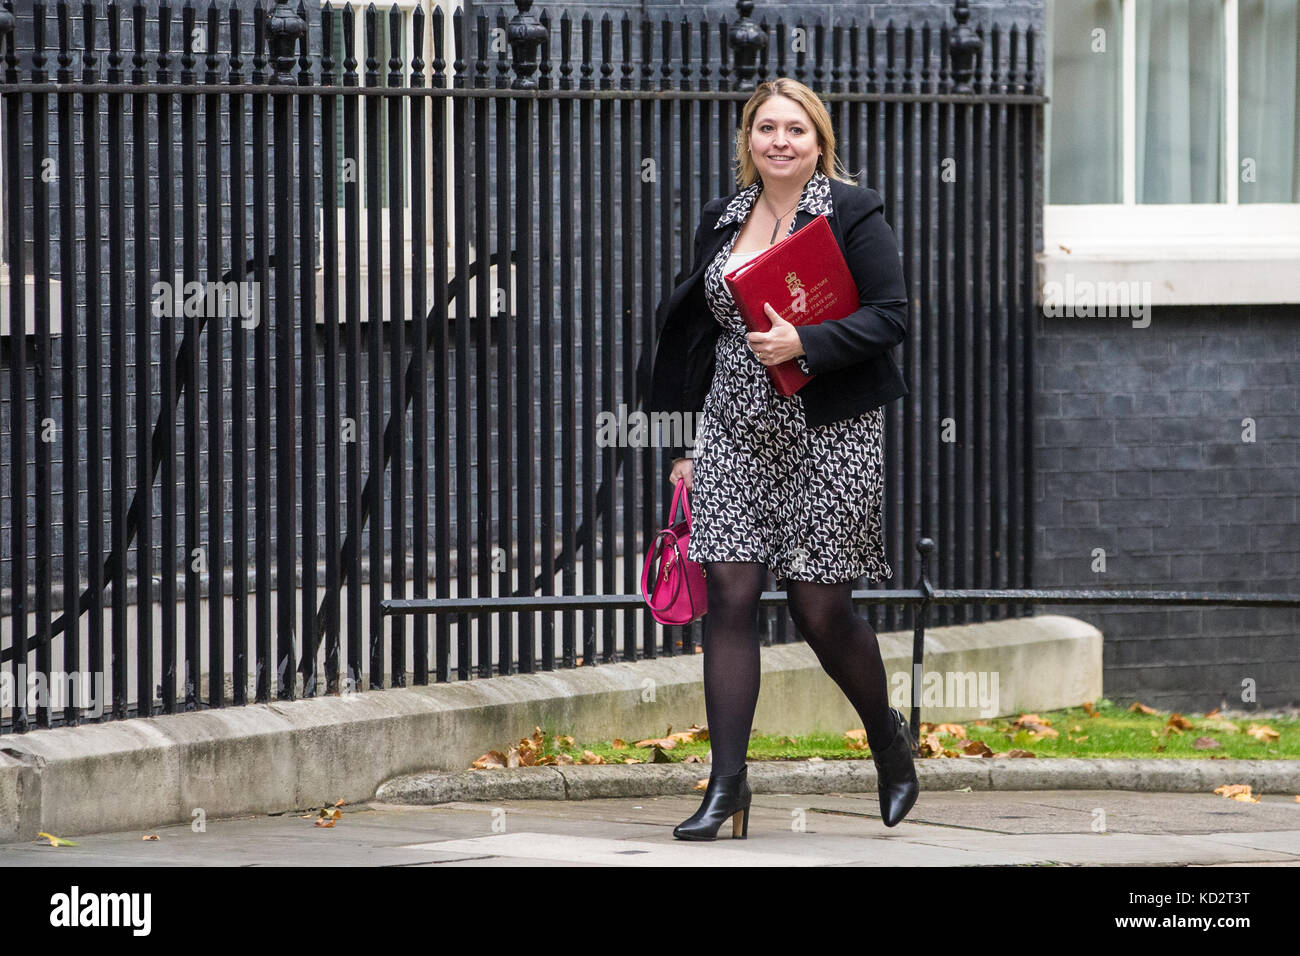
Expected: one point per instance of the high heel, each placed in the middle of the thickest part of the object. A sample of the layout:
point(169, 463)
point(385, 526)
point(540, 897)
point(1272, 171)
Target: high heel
point(896, 780)
point(725, 796)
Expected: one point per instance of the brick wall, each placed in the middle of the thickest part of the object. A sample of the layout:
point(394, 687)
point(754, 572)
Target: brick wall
point(1140, 452)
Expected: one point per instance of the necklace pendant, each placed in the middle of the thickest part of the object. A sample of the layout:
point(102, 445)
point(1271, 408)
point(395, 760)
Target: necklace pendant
point(775, 227)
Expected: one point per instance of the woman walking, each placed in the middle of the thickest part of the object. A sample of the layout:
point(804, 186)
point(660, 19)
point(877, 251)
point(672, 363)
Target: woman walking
point(791, 485)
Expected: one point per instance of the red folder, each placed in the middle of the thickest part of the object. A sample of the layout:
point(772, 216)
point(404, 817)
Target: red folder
point(805, 270)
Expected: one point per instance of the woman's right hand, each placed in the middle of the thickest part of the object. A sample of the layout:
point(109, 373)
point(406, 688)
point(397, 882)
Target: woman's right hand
point(683, 468)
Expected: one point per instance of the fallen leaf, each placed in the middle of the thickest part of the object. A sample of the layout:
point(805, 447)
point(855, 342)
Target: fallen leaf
point(1017, 753)
point(589, 757)
point(492, 760)
point(857, 739)
point(1035, 726)
point(563, 742)
point(618, 744)
point(977, 748)
point(952, 730)
point(702, 784)
point(1179, 721)
point(1205, 743)
point(151, 836)
point(1026, 719)
point(328, 817)
point(340, 803)
point(1089, 709)
point(564, 759)
point(632, 760)
point(689, 736)
point(55, 841)
point(1263, 734)
point(929, 746)
point(1143, 708)
point(1236, 791)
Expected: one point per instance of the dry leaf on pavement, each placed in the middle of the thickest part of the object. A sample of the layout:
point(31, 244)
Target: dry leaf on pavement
point(1237, 791)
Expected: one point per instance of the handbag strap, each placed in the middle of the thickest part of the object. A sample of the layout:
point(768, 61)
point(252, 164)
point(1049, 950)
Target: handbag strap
point(679, 494)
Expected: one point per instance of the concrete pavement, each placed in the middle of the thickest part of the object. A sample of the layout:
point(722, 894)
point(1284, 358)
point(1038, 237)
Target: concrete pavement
point(945, 828)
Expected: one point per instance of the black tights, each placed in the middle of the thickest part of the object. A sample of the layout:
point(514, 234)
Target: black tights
point(844, 643)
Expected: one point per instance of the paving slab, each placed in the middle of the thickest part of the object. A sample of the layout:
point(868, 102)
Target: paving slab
point(977, 828)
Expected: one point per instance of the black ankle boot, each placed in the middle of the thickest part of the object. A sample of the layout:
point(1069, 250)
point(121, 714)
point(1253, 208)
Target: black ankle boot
point(896, 774)
point(725, 796)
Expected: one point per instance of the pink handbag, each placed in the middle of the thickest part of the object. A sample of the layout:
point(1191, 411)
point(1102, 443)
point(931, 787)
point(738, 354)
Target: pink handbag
point(678, 596)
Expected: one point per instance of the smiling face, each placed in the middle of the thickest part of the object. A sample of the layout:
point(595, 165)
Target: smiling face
point(783, 142)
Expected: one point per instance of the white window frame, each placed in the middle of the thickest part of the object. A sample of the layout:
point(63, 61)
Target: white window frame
point(1190, 253)
point(408, 8)
point(449, 161)
point(29, 278)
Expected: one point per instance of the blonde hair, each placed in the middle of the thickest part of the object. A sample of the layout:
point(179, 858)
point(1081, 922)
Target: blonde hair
point(829, 163)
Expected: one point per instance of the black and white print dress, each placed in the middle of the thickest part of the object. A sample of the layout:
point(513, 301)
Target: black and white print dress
point(805, 501)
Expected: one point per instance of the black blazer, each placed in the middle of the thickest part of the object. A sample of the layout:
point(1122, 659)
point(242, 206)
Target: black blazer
point(854, 370)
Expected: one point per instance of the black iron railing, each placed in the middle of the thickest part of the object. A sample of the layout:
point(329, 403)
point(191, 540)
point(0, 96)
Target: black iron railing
point(409, 270)
point(921, 598)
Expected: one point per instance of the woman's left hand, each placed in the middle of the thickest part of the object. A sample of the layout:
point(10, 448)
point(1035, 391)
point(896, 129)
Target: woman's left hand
point(779, 345)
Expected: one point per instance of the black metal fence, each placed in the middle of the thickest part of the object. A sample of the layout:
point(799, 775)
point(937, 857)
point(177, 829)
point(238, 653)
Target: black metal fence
point(372, 288)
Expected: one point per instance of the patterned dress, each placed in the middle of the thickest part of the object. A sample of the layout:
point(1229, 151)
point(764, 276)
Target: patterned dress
point(805, 501)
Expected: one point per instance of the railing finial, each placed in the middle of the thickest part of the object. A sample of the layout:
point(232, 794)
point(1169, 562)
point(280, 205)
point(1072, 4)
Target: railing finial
point(525, 34)
point(285, 28)
point(962, 47)
point(745, 40)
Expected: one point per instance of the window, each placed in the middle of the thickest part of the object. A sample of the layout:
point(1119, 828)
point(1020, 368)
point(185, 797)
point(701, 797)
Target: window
point(383, 51)
point(28, 277)
point(1173, 138)
point(336, 205)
